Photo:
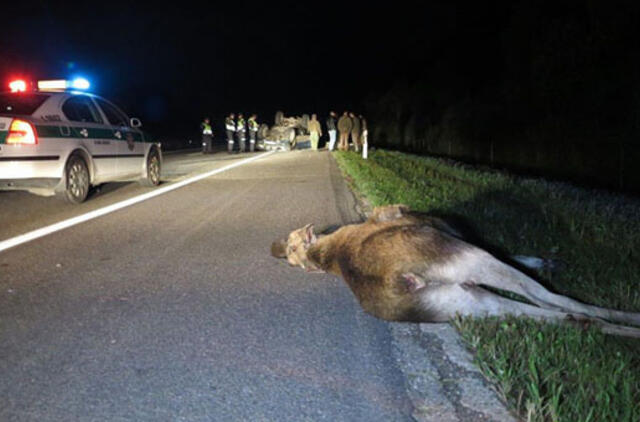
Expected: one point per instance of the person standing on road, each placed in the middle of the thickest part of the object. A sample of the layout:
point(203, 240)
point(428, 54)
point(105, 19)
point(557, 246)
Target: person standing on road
point(344, 126)
point(365, 137)
point(253, 132)
point(331, 128)
point(207, 135)
point(230, 126)
point(315, 131)
point(241, 129)
point(355, 132)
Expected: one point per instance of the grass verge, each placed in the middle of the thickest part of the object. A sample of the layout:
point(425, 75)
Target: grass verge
point(544, 372)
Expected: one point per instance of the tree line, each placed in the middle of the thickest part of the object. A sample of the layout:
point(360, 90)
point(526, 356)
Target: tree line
point(549, 88)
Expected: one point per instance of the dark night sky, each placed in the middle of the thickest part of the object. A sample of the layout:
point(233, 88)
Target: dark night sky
point(172, 64)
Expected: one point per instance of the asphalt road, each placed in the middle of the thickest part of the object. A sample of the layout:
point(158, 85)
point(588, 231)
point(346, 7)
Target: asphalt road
point(173, 309)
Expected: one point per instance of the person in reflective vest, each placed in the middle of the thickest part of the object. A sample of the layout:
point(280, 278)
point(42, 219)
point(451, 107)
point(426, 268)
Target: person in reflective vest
point(230, 126)
point(207, 136)
point(241, 130)
point(253, 132)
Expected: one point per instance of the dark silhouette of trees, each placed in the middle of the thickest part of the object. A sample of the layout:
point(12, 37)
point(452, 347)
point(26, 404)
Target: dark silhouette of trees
point(545, 87)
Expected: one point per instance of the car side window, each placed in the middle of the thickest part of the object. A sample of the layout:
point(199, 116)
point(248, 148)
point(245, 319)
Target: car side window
point(114, 116)
point(79, 108)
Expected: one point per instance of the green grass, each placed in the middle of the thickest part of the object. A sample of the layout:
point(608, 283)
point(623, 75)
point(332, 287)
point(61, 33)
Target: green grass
point(545, 372)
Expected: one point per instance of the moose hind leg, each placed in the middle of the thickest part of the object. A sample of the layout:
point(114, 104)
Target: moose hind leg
point(472, 300)
point(533, 262)
point(445, 301)
point(495, 273)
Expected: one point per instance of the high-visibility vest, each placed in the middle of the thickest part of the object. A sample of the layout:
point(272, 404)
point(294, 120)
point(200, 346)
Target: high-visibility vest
point(229, 124)
point(206, 129)
point(253, 125)
point(240, 127)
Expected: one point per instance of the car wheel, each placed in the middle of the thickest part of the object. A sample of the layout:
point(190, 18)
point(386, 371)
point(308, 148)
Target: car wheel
point(154, 166)
point(76, 176)
point(290, 137)
point(279, 118)
point(304, 122)
point(263, 131)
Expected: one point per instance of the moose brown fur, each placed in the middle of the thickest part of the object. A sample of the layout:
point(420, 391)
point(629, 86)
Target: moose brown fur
point(407, 266)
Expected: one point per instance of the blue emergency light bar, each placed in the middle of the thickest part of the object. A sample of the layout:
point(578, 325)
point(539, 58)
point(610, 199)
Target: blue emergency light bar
point(80, 83)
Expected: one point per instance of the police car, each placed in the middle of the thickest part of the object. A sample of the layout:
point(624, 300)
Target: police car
point(59, 139)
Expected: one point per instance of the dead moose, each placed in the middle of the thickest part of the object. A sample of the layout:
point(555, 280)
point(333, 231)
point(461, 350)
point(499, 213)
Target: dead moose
point(407, 266)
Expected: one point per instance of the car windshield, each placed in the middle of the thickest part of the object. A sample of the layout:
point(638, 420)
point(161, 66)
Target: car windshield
point(21, 103)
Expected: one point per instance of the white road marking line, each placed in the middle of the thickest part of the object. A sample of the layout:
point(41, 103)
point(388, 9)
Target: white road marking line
point(35, 234)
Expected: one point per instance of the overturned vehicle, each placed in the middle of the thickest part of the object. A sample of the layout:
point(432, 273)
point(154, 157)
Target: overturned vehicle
point(286, 134)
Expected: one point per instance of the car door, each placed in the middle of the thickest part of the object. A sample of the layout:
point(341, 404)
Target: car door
point(87, 125)
point(130, 141)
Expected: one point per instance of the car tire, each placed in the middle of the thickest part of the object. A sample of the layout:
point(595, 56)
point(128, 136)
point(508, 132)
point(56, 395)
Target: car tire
point(154, 167)
point(76, 178)
point(263, 131)
point(290, 137)
point(279, 118)
point(304, 122)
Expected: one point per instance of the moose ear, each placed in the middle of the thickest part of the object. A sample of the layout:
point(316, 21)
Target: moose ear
point(309, 234)
point(279, 249)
